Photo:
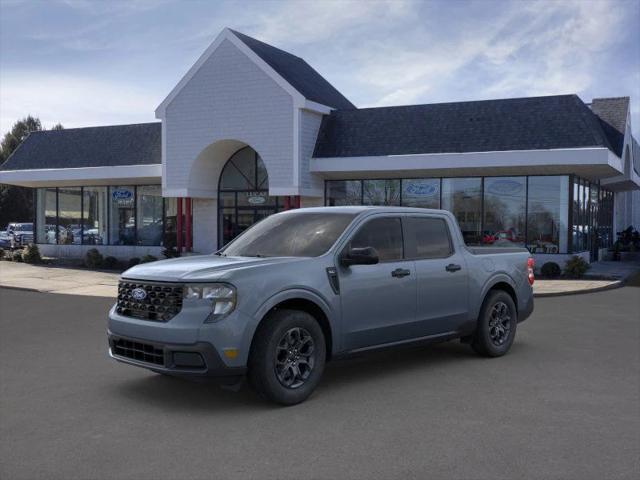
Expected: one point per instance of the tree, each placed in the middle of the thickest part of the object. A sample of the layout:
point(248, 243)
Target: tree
point(16, 203)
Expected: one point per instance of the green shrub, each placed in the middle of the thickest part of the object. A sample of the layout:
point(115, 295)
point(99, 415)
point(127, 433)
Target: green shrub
point(93, 258)
point(133, 262)
point(32, 254)
point(148, 258)
point(1, 253)
point(17, 256)
point(110, 263)
point(576, 267)
point(550, 270)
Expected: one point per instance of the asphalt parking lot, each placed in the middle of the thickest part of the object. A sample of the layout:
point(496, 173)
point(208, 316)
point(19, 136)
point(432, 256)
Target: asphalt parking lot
point(565, 403)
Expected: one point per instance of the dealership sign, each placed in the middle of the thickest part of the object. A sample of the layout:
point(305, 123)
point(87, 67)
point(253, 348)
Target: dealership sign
point(122, 196)
point(256, 198)
point(505, 187)
point(418, 189)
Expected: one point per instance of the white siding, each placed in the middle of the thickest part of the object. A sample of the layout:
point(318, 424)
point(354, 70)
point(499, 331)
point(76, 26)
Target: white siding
point(229, 97)
point(309, 127)
point(205, 223)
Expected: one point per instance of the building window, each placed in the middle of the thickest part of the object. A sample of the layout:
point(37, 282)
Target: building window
point(501, 211)
point(344, 192)
point(122, 218)
point(46, 215)
point(504, 211)
point(94, 215)
point(69, 216)
point(463, 198)
point(421, 192)
point(149, 215)
point(548, 211)
point(381, 192)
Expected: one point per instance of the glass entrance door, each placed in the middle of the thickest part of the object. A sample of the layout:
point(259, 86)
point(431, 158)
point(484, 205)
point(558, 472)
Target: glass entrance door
point(243, 195)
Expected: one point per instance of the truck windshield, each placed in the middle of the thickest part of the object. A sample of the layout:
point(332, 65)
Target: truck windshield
point(294, 234)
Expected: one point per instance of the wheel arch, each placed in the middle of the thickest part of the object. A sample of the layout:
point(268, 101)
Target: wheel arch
point(302, 300)
point(499, 282)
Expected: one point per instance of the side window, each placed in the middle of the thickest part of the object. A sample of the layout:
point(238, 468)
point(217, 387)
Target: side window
point(384, 234)
point(429, 238)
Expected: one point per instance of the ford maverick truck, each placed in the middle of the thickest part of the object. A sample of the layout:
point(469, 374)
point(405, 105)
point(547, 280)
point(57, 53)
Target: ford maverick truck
point(305, 286)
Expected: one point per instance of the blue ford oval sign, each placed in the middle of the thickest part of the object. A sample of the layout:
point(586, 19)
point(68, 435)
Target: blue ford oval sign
point(139, 294)
point(422, 189)
point(505, 187)
point(122, 194)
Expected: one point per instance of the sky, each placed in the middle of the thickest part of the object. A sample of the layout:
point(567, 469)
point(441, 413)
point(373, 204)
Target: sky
point(101, 62)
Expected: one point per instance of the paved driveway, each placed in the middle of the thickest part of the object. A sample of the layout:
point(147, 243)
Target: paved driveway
point(563, 404)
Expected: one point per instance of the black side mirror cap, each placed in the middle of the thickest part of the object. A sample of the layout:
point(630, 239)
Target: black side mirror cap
point(359, 256)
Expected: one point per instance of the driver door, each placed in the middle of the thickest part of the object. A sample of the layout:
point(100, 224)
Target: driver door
point(378, 301)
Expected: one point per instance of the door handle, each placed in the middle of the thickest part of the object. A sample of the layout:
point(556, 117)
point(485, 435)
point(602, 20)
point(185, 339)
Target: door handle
point(452, 267)
point(400, 272)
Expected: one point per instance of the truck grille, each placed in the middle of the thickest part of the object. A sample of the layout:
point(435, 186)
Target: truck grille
point(159, 303)
point(142, 352)
point(27, 239)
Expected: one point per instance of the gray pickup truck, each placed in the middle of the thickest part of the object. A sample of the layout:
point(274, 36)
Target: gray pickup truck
point(306, 286)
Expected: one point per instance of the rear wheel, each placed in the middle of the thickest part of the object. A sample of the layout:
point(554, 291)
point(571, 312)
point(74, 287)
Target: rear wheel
point(496, 325)
point(287, 357)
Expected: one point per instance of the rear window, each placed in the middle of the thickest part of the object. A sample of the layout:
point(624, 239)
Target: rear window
point(428, 238)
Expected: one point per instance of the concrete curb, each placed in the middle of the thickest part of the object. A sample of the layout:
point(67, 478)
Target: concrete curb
point(26, 289)
point(613, 286)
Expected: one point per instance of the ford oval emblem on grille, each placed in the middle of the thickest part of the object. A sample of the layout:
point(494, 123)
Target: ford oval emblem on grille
point(138, 294)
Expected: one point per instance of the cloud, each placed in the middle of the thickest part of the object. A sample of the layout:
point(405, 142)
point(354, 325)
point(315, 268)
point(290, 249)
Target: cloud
point(73, 101)
point(295, 22)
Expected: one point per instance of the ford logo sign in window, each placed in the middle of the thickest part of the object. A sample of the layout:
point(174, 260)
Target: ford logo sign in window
point(121, 194)
point(139, 294)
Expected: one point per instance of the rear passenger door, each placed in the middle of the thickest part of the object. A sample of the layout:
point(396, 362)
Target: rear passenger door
point(378, 301)
point(441, 275)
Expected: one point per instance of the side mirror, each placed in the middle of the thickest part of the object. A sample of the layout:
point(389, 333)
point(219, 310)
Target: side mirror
point(359, 256)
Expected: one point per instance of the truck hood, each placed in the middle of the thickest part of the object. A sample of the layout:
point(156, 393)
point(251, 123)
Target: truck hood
point(201, 268)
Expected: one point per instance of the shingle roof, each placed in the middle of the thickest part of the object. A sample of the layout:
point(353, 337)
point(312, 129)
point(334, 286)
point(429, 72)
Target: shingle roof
point(89, 147)
point(298, 73)
point(534, 123)
point(613, 116)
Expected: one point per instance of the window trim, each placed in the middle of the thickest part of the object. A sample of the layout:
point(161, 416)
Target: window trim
point(452, 249)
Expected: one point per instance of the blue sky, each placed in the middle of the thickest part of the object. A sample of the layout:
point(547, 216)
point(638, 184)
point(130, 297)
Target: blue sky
point(84, 63)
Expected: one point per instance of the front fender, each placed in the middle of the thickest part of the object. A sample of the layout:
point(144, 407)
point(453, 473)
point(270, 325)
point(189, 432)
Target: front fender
point(291, 294)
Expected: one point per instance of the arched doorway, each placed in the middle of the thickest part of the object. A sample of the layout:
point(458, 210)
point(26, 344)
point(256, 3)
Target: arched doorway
point(243, 194)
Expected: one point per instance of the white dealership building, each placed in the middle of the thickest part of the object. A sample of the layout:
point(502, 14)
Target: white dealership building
point(251, 129)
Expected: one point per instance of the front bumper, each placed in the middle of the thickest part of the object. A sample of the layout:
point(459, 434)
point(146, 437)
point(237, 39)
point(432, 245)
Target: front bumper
point(200, 359)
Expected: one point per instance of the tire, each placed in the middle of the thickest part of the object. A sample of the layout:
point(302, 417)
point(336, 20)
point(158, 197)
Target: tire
point(287, 357)
point(494, 337)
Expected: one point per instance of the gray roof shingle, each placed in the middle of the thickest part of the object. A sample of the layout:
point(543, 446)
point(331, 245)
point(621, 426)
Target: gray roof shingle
point(533, 123)
point(298, 73)
point(108, 146)
point(613, 116)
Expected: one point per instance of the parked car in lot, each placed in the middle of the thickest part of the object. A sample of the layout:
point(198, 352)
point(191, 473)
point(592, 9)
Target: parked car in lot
point(306, 286)
point(18, 235)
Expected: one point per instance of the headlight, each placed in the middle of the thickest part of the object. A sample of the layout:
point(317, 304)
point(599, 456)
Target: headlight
point(221, 296)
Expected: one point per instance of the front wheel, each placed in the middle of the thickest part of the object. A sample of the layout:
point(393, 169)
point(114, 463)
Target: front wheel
point(496, 325)
point(287, 357)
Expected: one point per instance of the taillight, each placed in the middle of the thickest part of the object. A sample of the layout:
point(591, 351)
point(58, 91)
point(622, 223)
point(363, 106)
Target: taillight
point(530, 276)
